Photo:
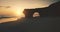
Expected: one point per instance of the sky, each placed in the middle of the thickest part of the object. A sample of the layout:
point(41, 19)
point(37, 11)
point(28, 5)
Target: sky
point(14, 8)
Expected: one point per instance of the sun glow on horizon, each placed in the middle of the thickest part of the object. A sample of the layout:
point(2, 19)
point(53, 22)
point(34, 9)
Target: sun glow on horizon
point(18, 10)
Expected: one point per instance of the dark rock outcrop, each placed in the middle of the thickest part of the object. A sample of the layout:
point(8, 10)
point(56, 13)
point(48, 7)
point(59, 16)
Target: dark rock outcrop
point(54, 9)
point(29, 12)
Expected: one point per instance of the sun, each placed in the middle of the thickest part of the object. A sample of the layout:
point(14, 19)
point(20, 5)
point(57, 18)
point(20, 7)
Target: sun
point(19, 11)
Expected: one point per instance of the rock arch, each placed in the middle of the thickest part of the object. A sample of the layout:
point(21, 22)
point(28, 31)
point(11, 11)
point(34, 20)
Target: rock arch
point(29, 12)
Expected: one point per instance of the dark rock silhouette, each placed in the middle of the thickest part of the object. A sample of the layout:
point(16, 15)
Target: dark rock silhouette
point(29, 12)
point(51, 11)
point(54, 9)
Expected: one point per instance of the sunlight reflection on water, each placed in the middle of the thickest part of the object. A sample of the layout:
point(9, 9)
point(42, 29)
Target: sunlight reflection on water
point(7, 20)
